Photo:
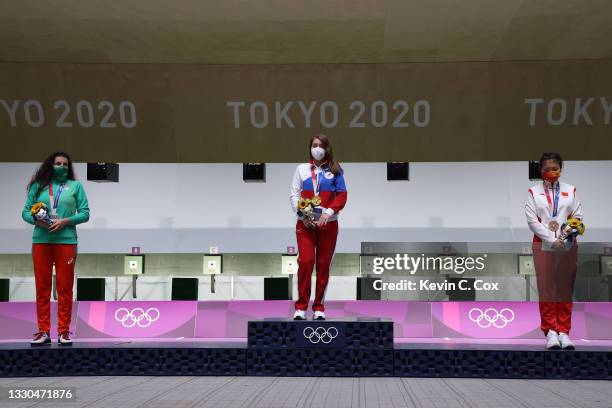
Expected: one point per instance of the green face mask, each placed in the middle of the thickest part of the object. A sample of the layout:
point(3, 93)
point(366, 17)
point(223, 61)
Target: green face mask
point(60, 173)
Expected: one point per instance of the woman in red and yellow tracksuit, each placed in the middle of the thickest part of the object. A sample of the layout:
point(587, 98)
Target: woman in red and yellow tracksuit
point(549, 205)
point(321, 179)
point(54, 241)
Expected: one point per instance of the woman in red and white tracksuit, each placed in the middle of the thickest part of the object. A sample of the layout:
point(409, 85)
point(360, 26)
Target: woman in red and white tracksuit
point(321, 177)
point(549, 205)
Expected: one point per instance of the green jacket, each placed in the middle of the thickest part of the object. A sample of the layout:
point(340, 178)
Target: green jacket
point(72, 205)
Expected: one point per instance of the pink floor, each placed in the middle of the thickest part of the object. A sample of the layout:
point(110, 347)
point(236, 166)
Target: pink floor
point(404, 340)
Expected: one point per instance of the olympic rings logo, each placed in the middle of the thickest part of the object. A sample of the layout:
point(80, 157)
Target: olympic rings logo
point(320, 334)
point(491, 317)
point(137, 316)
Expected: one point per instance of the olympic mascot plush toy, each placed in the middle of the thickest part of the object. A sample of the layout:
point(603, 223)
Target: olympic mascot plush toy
point(571, 228)
point(41, 213)
point(306, 207)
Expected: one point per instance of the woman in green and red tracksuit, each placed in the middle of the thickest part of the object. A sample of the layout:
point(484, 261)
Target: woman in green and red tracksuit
point(321, 177)
point(55, 242)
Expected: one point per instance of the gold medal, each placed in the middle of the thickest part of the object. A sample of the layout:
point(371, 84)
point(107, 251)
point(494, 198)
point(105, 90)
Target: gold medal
point(315, 200)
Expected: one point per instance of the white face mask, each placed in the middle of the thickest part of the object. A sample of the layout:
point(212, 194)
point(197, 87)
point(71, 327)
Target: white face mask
point(318, 153)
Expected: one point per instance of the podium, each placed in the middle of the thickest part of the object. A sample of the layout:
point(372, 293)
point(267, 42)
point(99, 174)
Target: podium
point(333, 347)
point(348, 347)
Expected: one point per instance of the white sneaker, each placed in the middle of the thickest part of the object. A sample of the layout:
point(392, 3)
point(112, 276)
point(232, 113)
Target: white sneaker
point(552, 340)
point(299, 315)
point(566, 343)
point(318, 315)
point(64, 339)
point(41, 339)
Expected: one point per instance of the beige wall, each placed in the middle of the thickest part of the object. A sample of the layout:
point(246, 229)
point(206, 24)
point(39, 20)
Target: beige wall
point(331, 31)
point(266, 113)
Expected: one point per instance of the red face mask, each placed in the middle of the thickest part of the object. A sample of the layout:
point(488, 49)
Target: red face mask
point(551, 176)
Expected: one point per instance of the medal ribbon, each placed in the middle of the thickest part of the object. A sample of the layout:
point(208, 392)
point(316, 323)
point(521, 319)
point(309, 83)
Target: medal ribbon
point(55, 200)
point(556, 203)
point(315, 179)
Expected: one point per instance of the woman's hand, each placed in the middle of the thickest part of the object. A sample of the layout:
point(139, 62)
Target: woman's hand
point(558, 245)
point(308, 222)
point(323, 220)
point(59, 224)
point(41, 224)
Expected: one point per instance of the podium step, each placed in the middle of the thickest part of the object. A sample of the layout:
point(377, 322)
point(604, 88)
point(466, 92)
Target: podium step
point(448, 360)
point(333, 347)
point(352, 334)
point(320, 362)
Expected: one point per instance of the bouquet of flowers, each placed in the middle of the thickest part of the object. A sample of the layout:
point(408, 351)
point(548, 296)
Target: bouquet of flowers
point(571, 228)
point(40, 211)
point(306, 207)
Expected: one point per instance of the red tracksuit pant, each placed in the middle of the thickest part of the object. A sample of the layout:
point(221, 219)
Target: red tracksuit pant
point(64, 258)
point(556, 274)
point(316, 246)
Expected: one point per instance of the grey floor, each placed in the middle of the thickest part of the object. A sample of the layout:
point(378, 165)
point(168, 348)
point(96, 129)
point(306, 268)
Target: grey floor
point(269, 392)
